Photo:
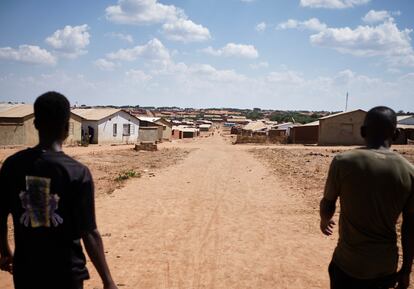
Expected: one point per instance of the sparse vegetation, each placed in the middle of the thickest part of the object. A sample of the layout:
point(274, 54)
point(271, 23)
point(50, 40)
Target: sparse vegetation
point(254, 114)
point(294, 116)
point(125, 175)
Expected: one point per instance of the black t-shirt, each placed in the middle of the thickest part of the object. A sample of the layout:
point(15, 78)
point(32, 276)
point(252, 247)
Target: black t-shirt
point(51, 199)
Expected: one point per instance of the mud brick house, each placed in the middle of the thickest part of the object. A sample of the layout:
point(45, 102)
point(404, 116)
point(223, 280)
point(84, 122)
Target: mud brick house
point(17, 127)
point(342, 128)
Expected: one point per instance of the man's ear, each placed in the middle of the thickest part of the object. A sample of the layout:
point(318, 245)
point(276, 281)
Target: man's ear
point(396, 134)
point(36, 124)
point(363, 131)
point(66, 130)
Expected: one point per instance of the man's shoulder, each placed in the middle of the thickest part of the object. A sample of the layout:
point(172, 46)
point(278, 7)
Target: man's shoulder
point(365, 155)
point(18, 157)
point(71, 164)
point(350, 155)
point(59, 159)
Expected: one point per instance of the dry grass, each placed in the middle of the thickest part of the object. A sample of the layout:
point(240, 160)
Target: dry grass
point(305, 169)
point(111, 169)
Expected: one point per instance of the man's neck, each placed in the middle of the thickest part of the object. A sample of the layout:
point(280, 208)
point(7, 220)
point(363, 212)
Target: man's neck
point(379, 145)
point(50, 145)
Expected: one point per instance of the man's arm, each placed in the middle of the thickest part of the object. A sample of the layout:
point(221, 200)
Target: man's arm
point(89, 232)
point(327, 210)
point(407, 242)
point(94, 247)
point(327, 205)
point(6, 256)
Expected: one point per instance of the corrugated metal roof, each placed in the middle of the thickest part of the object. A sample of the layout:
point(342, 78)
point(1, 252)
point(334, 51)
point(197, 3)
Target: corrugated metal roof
point(95, 113)
point(189, 129)
point(17, 111)
point(341, 113)
point(149, 119)
point(314, 123)
point(403, 117)
point(184, 128)
point(256, 126)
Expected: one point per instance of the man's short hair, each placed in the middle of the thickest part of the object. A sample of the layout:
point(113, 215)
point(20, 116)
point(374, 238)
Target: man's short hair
point(381, 122)
point(52, 111)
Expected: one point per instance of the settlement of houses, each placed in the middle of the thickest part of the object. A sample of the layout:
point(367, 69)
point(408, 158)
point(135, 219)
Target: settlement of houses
point(103, 125)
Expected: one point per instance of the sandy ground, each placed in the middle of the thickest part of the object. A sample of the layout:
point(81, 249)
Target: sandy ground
point(110, 169)
point(304, 168)
point(219, 219)
point(224, 217)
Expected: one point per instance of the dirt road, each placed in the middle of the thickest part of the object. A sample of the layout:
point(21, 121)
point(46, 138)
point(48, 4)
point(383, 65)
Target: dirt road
point(218, 219)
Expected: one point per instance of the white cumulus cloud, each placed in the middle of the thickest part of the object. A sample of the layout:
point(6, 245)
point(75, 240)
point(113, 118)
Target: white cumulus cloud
point(263, 64)
point(332, 4)
point(124, 37)
point(185, 30)
point(138, 75)
point(175, 23)
point(142, 12)
point(70, 41)
point(234, 50)
point(213, 74)
point(153, 50)
point(376, 16)
point(261, 27)
point(28, 54)
point(384, 39)
point(312, 24)
point(285, 77)
point(104, 64)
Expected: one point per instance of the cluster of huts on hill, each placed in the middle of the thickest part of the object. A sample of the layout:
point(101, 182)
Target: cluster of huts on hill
point(335, 129)
point(95, 126)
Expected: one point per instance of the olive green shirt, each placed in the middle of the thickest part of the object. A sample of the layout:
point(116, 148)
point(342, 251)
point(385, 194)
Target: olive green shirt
point(374, 187)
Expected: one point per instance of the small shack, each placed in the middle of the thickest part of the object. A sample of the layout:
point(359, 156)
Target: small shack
point(182, 131)
point(108, 125)
point(17, 127)
point(238, 120)
point(406, 134)
point(166, 126)
point(343, 128)
point(255, 128)
point(305, 134)
point(150, 131)
point(205, 127)
point(285, 128)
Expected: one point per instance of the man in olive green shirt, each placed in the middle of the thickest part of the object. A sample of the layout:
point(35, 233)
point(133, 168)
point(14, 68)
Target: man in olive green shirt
point(374, 185)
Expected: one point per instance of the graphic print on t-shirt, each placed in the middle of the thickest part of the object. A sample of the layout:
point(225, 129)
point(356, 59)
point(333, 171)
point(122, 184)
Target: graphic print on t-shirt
point(39, 204)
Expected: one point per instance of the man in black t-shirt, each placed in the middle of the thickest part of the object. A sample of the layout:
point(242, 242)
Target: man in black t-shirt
point(51, 199)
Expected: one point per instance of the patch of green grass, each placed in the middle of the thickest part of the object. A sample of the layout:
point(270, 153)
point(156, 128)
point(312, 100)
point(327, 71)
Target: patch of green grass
point(125, 175)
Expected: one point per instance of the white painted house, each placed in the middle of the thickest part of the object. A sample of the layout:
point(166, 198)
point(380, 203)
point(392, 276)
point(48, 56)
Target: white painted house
point(108, 125)
point(405, 119)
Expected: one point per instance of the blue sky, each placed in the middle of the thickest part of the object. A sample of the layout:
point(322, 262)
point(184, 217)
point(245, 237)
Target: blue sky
point(298, 54)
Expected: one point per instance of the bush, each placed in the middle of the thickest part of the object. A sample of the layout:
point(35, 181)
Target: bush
point(125, 175)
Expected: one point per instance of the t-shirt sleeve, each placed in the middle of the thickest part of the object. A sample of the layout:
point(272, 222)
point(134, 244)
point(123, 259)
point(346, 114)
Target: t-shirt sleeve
point(332, 187)
point(86, 204)
point(4, 189)
point(409, 205)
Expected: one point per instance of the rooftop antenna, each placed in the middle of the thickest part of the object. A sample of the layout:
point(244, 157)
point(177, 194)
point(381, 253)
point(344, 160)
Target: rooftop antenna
point(346, 104)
